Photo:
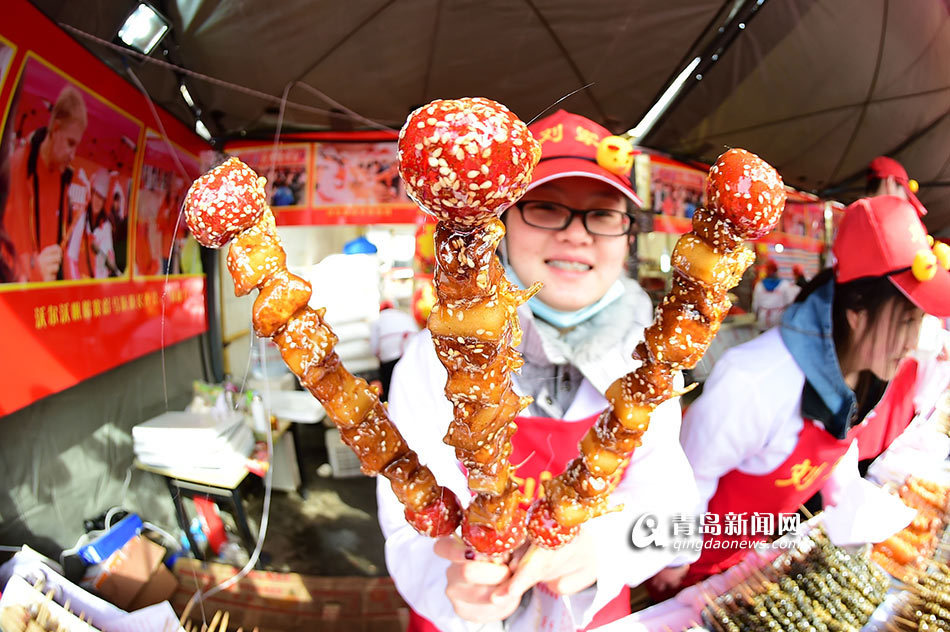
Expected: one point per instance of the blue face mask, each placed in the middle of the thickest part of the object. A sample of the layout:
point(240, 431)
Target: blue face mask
point(565, 320)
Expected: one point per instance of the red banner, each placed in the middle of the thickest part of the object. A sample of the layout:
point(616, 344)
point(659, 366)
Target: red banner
point(73, 301)
point(673, 225)
point(54, 337)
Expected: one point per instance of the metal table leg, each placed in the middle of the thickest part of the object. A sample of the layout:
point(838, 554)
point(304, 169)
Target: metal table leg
point(298, 452)
point(183, 518)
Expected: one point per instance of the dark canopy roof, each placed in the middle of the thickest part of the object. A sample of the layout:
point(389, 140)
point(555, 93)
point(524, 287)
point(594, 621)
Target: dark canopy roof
point(816, 87)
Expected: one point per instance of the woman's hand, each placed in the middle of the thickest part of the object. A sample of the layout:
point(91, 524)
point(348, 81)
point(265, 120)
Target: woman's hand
point(563, 571)
point(473, 583)
point(482, 590)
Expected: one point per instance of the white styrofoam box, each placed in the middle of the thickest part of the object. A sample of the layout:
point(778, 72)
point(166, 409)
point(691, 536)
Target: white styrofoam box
point(191, 426)
point(185, 451)
point(342, 459)
point(283, 382)
point(286, 470)
point(347, 286)
point(208, 440)
point(297, 406)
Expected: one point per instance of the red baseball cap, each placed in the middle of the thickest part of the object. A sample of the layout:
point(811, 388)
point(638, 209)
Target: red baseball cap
point(883, 167)
point(569, 147)
point(882, 236)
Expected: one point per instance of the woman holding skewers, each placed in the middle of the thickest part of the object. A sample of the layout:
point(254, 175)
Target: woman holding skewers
point(788, 414)
point(571, 231)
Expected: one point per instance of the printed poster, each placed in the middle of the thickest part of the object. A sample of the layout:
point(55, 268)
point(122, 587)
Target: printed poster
point(286, 170)
point(358, 183)
point(7, 51)
point(676, 191)
point(161, 235)
point(71, 158)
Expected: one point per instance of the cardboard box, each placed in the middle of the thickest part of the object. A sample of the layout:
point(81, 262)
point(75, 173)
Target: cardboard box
point(133, 576)
point(159, 587)
point(285, 602)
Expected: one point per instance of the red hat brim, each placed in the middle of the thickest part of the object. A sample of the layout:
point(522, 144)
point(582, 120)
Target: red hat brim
point(932, 296)
point(556, 168)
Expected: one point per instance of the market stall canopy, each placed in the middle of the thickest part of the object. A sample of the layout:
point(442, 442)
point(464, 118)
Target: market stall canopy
point(821, 88)
point(817, 87)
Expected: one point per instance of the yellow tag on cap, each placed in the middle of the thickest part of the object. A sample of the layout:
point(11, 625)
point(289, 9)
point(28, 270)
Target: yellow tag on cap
point(615, 154)
point(925, 265)
point(913, 185)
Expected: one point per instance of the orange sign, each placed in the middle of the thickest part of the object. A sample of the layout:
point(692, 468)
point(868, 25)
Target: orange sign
point(56, 336)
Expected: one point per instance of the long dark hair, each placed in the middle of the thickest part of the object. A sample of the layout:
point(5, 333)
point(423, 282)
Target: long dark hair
point(871, 295)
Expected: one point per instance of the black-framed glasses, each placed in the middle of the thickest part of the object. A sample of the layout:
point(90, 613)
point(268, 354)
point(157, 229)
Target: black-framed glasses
point(553, 216)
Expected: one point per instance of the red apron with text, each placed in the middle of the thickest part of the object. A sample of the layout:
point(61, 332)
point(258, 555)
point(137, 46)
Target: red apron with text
point(892, 414)
point(781, 491)
point(540, 449)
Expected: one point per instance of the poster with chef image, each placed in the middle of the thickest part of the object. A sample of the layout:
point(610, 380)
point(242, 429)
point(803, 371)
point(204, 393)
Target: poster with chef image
point(70, 160)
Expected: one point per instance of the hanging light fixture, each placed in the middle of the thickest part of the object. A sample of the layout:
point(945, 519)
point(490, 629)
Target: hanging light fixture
point(144, 28)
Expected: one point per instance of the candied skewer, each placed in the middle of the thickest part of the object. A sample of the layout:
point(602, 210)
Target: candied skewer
point(229, 203)
point(745, 197)
point(465, 161)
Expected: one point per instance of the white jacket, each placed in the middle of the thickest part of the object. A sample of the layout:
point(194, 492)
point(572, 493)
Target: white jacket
point(658, 479)
point(749, 418)
point(768, 305)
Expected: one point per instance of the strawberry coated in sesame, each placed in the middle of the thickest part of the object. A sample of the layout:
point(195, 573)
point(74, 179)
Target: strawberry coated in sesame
point(746, 192)
point(223, 202)
point(466, 160)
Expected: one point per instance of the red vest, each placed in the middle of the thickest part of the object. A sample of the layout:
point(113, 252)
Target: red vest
point(540, 449)
point(892, 414)
point(803, 473)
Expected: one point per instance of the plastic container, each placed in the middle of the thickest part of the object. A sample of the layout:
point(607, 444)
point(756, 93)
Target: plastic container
point(261, 423)
point(342, 460)
point(112, 540)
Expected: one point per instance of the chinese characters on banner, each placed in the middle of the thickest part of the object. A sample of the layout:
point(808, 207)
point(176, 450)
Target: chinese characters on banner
point(84, 238)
